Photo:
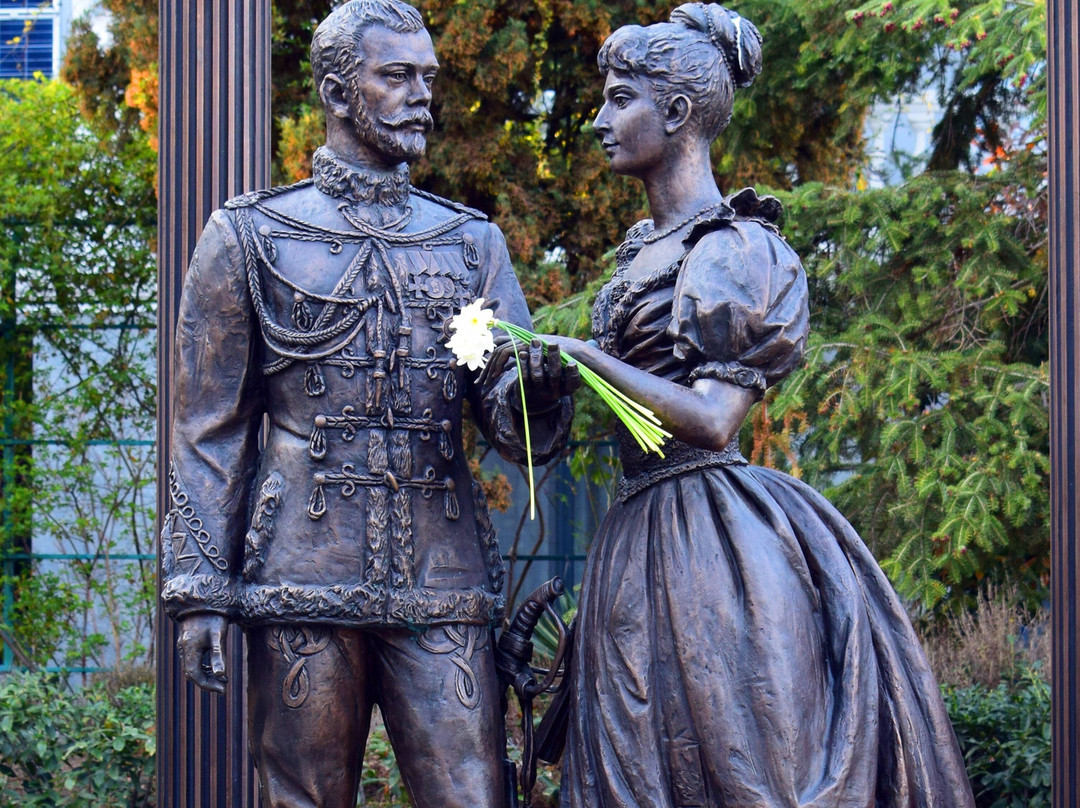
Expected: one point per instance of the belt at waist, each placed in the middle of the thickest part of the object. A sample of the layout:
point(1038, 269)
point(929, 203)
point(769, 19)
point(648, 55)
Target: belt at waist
point(641, 470)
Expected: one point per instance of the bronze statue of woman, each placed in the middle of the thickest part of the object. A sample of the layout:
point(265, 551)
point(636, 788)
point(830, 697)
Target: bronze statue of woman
point(737, 643)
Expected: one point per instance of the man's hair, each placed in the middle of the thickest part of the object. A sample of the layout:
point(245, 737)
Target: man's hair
point(335, 48)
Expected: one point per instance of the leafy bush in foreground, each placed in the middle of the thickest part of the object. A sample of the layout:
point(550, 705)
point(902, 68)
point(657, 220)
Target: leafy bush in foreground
point(1004, 733)
point(65, 749)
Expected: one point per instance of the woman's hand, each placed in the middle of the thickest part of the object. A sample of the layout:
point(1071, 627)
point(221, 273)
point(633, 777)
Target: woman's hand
point(576, 349)
point(547, 379)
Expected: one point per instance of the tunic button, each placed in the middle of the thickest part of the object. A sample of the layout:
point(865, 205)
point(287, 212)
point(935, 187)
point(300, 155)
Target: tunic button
point(320, 421)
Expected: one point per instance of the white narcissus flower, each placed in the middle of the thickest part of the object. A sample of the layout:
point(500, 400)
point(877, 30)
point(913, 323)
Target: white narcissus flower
point(472, 340)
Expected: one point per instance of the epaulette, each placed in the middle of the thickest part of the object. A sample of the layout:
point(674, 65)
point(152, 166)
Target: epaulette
point(254, 197)
point(447, 203)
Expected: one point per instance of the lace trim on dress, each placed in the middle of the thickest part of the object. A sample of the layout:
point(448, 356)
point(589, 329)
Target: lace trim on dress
point(732, 372)
point(616, 298)
point(621, 296)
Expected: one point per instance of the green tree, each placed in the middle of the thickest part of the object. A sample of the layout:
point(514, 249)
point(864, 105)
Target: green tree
point(926, 380)
point(117, 85)
point(77, 211)
point(922, 407)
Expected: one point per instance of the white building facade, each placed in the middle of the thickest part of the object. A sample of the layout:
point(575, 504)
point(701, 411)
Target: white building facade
point(33, 34)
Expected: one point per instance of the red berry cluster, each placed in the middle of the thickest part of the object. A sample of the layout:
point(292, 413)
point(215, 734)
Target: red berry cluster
point(859, 17)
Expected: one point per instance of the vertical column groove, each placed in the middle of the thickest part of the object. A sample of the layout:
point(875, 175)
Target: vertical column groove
point(214, 136)
point(1064, 136)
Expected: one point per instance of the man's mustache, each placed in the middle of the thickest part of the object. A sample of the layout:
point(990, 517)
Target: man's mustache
point(417, 118)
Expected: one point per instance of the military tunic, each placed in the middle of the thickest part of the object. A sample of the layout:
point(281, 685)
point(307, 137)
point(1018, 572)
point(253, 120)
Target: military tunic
point(359, 510)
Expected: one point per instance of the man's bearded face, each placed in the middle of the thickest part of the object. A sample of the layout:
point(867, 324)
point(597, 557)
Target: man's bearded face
point(389, 93)
point(398, 134)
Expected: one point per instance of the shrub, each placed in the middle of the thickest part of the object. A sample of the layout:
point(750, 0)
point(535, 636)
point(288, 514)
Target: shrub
point(1004, 733)
point(65, 749)
point(993, 663)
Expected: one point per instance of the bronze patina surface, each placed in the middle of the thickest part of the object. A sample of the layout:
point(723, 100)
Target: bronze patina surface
point(351, 543)
point(736, 645)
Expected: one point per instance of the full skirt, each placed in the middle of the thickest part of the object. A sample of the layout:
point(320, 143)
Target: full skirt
point(738, 646)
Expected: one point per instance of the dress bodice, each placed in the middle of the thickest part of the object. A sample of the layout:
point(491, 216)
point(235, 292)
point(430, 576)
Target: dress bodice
point(733, 307)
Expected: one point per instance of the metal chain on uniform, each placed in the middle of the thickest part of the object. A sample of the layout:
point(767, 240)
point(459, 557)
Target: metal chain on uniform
point(337, 325)
point(293, 345)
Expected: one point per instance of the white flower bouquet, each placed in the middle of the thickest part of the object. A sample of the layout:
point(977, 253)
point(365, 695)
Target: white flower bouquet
point(472, 342)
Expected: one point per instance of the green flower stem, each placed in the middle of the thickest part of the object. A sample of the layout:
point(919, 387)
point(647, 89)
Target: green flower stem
point(641, 422)
point(647, 430)
point(528, 437)
point(639, 408)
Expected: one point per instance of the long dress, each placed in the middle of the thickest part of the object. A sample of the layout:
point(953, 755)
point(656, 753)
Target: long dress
point(737, 644)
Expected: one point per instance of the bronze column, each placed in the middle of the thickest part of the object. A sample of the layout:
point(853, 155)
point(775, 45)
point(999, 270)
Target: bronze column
point(214, 129)
point(1064, 90)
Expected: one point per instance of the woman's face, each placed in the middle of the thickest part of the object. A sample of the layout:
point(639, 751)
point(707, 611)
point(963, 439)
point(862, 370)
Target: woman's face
point(630, 126)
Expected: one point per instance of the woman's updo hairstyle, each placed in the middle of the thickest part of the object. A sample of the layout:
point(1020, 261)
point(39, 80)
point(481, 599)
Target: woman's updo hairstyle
point(704, 52)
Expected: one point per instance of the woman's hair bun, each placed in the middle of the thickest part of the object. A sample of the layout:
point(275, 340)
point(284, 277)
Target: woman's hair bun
point(736, 38)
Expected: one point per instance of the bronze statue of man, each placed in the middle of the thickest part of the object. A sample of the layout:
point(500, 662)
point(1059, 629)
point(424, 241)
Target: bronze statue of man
point(350, 541)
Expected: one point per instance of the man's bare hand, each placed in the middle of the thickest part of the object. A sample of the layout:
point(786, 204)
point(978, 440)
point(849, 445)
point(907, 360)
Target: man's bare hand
point(546, 378)
point(202, 650)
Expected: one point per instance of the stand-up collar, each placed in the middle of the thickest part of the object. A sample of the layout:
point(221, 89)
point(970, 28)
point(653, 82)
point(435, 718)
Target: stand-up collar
point(336, 178)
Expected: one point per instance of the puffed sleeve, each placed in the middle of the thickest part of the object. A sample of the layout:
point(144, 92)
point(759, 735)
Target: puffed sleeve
point(496, 397)
point(740, 311)
point(215, 422)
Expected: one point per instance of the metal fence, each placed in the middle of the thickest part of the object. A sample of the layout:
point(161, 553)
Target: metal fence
point(554, 544)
